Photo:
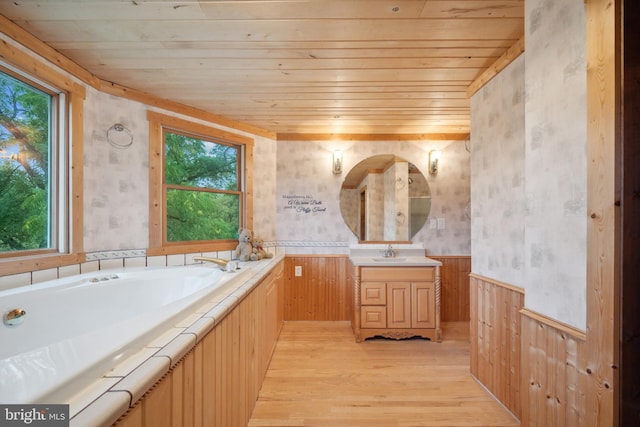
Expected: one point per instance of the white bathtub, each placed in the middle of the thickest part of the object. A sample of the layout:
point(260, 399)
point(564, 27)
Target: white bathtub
point(76, 329)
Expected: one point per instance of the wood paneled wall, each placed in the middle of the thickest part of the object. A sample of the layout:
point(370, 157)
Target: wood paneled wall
point(454, 276)
point(537, 367)
point(495, 338)
point(322, 292)
point(217, 383)
point(570, 378)
point(554, 381)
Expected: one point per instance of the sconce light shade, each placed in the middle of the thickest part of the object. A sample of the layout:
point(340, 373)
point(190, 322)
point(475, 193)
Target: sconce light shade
point(434, 157)
point(337, 162)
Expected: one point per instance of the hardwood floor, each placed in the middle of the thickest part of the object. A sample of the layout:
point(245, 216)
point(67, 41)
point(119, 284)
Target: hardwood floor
point(319, 376)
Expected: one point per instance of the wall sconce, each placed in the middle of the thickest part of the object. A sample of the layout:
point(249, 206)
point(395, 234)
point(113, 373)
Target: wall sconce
point(434, 156)
point(337, 162)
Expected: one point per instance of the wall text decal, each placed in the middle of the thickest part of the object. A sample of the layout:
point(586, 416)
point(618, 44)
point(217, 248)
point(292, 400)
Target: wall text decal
point(303, 204)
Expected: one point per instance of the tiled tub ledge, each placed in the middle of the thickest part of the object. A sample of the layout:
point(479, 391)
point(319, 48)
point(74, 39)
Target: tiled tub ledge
point(107, 399)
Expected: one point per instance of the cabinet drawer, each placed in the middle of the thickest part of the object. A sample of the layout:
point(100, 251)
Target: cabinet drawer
point(373, 293)
point(373, 316)
point(398, 274)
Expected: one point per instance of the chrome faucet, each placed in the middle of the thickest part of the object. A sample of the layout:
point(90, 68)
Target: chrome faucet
point(222, 263)
point(389, 253)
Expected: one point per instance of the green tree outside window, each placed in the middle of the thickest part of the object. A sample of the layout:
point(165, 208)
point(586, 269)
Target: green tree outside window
point(203, 192)
point(25, 193)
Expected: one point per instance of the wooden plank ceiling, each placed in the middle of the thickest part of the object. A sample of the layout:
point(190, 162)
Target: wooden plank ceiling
point(290, 66)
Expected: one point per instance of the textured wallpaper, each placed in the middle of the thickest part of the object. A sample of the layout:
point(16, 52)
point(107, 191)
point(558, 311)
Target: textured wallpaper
point(529, 185)
point(498, 176)
point(308, 193)
point(296, 195)
point(556, 159)
point(264, 188)
point(116, 179)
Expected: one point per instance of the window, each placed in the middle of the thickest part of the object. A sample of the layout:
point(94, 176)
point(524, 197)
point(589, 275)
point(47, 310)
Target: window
point(40, 165)
point(202, 188)
point(33, 179)
point(198, 186)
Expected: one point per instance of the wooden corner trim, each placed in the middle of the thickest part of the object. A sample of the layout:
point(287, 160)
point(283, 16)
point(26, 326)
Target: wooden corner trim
point(501, 63)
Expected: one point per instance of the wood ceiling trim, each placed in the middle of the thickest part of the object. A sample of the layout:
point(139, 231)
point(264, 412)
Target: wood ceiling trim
point(501, 63)
point(176, 107)
point(372, 137)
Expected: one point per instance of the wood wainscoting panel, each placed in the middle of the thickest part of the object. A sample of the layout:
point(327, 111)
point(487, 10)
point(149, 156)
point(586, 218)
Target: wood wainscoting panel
point(554, 386)
point(217, 383)
point(495, 338)
point(322, 292)
point(454, 277)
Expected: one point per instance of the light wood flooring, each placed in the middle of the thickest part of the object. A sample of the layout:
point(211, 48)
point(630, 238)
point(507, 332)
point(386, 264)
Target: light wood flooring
point(319, 376)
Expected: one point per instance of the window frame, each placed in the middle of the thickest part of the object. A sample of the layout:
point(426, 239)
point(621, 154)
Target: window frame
point(67, 197)
point(158, 123)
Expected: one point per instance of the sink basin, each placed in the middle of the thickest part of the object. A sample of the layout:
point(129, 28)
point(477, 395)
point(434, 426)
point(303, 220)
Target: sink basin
point(389, 259)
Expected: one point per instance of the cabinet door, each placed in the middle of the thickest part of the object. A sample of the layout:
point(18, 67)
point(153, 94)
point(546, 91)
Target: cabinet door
point(373, 316)
point(373, 293)
point(398, 305)
point(423, 305)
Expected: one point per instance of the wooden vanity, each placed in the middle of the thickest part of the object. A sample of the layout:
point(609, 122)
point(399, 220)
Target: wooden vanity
point(396, 301)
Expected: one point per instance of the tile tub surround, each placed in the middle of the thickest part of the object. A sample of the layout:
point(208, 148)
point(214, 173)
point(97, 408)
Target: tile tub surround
point(103, 402)
point(114, 259)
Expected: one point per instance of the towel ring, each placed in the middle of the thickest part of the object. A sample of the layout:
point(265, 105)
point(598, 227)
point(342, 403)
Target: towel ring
point(119, 136)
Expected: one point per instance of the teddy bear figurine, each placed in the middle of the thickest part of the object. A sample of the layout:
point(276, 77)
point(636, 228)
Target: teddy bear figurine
point(258, 250)
point(244, 250)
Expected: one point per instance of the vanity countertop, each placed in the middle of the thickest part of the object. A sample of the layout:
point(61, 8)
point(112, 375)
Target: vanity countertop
point(397, 261)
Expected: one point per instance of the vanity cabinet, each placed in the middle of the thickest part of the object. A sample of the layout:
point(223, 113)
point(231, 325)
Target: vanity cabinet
point(397, 302)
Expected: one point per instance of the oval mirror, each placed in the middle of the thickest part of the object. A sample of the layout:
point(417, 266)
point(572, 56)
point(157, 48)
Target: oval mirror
point(385, 198)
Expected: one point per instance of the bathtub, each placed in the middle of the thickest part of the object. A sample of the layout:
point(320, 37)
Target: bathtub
point(76, 329)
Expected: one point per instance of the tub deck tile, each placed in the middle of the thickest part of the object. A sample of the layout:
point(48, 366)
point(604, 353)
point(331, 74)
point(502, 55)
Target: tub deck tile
point(128, 365)
point(165, 338)
point(177, 348)
point(104, 411)
point(143, 377)
point(201, 327)
point(86, 396)
point(188, 320)
point(204, 308)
